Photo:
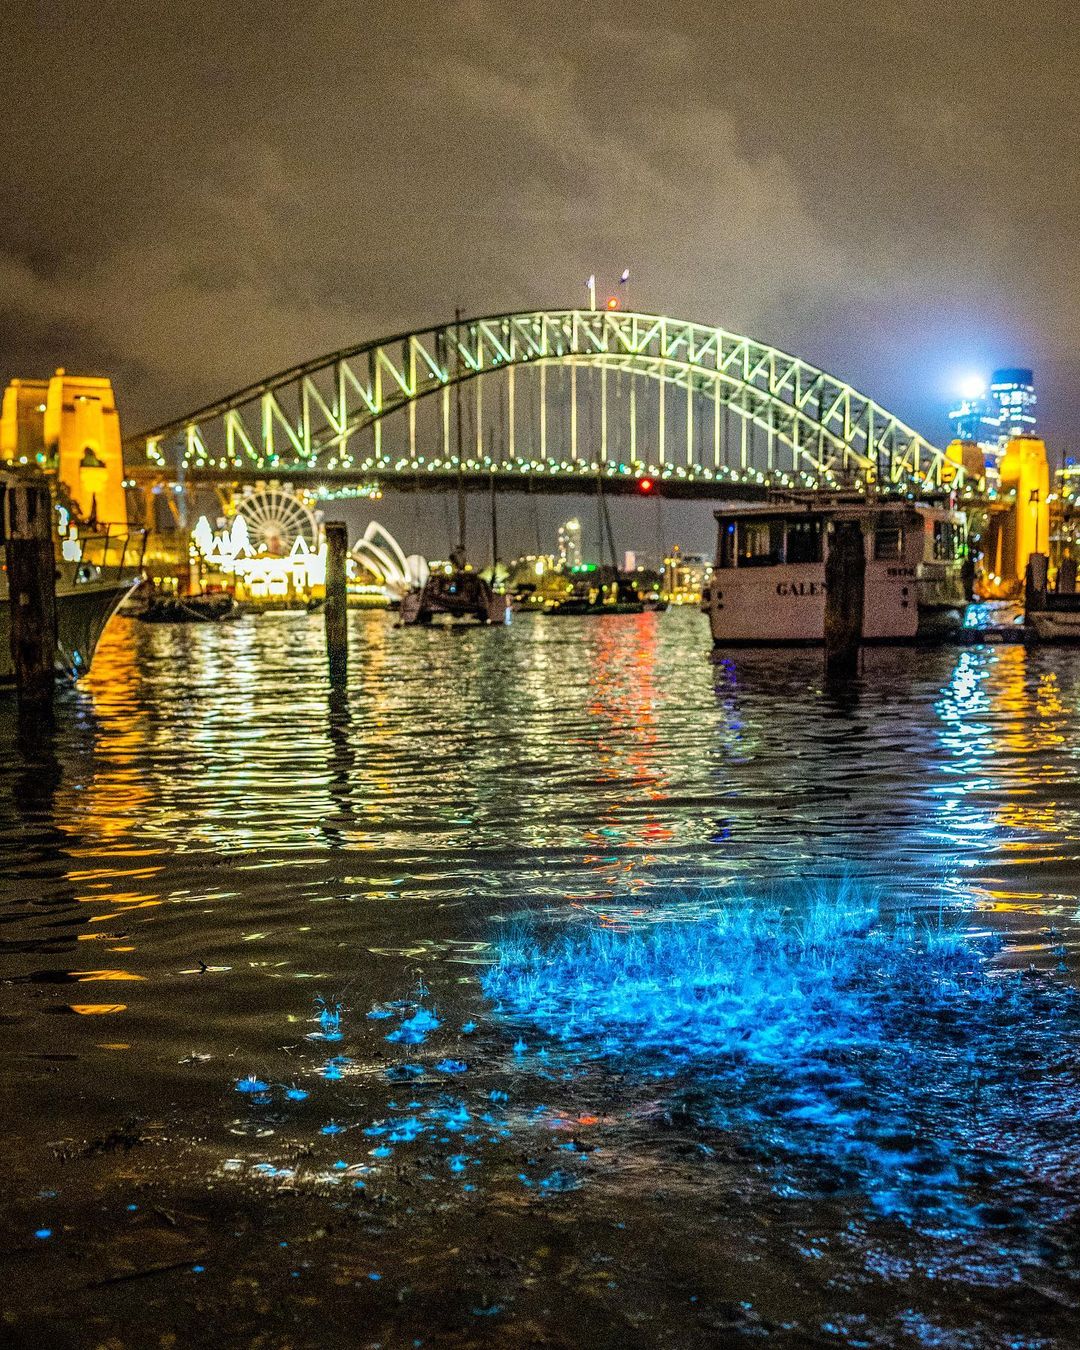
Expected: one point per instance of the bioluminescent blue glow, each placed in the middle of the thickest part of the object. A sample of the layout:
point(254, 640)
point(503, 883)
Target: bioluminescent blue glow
point(749, 981)
point(874, 1054)
point(415, 1029)
point(773, 1053)
point(252, 1084)
point(328, 1016)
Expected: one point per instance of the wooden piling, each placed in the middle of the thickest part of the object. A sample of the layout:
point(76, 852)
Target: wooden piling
point(845, 584)
point(1035, 582)
point(336, 608)
point(31, 578)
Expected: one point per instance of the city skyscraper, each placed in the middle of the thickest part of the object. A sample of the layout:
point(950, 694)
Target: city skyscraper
point(993, 414)
point(1012, 397)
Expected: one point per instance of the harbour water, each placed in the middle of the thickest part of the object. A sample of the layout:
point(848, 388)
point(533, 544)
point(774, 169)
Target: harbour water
point(256, 1067)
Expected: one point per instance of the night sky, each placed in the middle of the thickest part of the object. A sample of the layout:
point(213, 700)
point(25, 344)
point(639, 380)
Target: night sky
point(197, 195)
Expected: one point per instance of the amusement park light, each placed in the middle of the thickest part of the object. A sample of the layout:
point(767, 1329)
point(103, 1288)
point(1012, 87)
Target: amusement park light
point(645, 485)
point(972, 387)
point(613, 302)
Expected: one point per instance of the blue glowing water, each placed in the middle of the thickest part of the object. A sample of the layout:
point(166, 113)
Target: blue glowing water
point(882, 1055)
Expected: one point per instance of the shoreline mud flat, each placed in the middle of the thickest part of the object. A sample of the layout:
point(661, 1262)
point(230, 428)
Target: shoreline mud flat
point(695, 1157)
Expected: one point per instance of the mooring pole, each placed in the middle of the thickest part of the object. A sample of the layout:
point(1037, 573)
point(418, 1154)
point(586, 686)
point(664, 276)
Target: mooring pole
point(494, 529)
point(336, 607)
point(1035, 583)
point(458, 450)
point(31, 578)
point(845, 584)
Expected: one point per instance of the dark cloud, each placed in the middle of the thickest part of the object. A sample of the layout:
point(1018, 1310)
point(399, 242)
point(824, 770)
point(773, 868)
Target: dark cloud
point(197, 195)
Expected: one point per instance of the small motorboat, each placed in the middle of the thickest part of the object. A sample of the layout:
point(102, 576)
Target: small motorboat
point(1055, 625)
point(597, 591)
point(579, 606)
point(1051, 615)
point(213, 607)
point(87, 595)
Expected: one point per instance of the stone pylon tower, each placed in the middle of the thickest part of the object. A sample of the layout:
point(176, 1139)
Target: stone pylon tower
point(69, 424)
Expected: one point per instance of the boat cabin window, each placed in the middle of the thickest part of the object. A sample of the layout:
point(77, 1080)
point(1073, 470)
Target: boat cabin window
point(725, 551)
point(761, 543)
point(948, 541)
point(803, 541)
point(755, 542)
point(888, 541)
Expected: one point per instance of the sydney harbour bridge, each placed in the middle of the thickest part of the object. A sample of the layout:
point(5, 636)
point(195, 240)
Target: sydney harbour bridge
point(552, 400)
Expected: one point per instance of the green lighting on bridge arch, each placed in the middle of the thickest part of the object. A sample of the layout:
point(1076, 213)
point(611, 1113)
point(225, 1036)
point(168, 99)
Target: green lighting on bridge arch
point(582, 392)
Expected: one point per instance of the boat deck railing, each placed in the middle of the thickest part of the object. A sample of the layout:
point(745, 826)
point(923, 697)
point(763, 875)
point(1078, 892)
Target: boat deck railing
point(110, 553)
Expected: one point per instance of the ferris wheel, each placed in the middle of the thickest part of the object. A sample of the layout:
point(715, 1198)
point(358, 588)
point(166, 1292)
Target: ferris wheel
point(275, 518)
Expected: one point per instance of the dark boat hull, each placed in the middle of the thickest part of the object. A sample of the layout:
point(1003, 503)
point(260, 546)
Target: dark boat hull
point(81, 615)
point(571, 607)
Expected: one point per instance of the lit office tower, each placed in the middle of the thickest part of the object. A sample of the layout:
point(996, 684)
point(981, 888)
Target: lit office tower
point(1012, 403)
point(970, 418)
point(994, 416)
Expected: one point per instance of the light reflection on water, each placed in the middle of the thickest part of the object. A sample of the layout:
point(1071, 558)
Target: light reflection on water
point(213, 838)
point(207, 801)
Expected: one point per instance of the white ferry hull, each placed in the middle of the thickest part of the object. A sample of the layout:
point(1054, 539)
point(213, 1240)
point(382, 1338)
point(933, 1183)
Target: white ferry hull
point(786, 606)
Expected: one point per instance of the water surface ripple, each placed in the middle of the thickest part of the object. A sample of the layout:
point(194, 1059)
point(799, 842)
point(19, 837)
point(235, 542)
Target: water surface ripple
point(211, 839)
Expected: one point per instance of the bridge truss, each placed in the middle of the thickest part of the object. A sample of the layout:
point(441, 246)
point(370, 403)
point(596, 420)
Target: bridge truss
point(567, 394)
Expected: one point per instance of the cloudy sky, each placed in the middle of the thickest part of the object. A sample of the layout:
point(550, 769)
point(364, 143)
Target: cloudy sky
point(199, 194)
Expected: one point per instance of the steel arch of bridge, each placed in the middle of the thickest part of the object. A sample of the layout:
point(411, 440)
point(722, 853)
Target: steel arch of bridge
point(817, 430)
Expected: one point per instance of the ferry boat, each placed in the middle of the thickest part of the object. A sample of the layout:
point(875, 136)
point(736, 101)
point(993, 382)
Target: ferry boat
point(768, 582)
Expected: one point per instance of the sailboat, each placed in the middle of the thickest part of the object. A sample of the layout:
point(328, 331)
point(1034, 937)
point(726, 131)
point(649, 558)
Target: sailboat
point(599, 589)
point(455, 590)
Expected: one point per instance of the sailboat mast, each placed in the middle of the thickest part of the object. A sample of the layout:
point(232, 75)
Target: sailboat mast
point(610, 534)
point(461, 468)
point(494, 530)
point(603, 524)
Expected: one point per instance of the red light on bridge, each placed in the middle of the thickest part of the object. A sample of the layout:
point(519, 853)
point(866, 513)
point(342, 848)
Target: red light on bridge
point(645, 485)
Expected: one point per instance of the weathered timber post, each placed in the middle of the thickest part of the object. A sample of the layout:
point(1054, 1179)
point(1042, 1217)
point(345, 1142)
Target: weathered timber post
point(1035, 582)
point(31, 578)
point(845, 584)
point(336, 607)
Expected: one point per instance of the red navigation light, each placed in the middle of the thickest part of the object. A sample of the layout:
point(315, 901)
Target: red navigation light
point(613, 302)
point(645, 485)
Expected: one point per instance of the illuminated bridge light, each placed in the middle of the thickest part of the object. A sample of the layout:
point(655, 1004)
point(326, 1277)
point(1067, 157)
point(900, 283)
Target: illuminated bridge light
point(307, 417)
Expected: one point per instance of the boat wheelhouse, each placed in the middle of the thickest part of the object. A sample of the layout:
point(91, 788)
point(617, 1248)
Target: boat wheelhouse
point(768, 581)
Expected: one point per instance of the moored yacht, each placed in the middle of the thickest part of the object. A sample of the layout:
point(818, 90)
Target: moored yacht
point(455, 593)
point(768, 582)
